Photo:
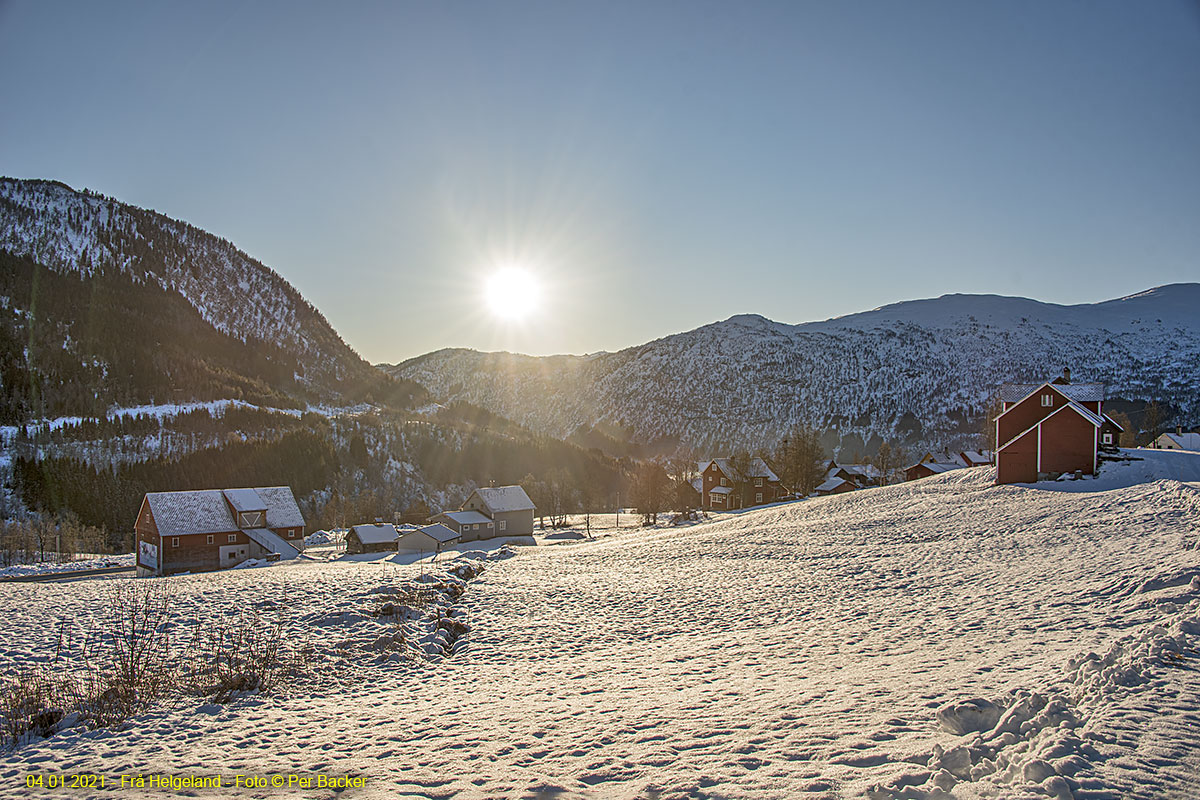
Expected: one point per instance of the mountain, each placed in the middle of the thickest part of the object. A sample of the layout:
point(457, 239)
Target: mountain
point(918, 372)
point(105, 303)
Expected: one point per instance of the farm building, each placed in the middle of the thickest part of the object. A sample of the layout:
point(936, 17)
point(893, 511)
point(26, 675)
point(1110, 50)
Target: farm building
point(491, 511)
point(377, 538)
point(216, 528)
point(426, 539)
point(1051, 428)
point(923, 469)
point(835, 485)
point(723, 488)
point(1178, 441)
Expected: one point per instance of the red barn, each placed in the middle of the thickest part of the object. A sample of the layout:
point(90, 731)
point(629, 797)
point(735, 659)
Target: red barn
point(1049, 429)
point(216, 528)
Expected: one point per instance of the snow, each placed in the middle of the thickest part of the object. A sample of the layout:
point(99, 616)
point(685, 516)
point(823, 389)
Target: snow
point(939, 638)
point(50, 567)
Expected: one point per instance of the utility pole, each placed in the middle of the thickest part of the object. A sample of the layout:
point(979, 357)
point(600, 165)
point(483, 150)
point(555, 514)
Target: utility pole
point(618, 510)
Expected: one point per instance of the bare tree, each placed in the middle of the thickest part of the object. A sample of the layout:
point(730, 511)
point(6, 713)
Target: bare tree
point(801, 460)
point(887, 461)
point(1152, 420)
point(650, 492)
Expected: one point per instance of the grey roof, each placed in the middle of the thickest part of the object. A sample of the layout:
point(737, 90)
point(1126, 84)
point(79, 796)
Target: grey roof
point(830, 484)
point(499, 499)
point(1079, 392)
point(757, 468)
point(466, 517)
point(375, 534)
point(866, 470)
point(1184, 441)
point(937, 467)
point(244, 500)
point(439, 532)
point(208, 510)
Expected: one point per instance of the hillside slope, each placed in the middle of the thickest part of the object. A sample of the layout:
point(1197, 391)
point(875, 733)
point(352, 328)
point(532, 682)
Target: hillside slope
point(123, 305)
point(921, 371)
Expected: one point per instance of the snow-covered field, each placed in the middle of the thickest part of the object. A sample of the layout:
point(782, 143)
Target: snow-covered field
point(944, 635)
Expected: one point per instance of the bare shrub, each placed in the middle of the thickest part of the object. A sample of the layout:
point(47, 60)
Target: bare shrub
point(31, 704)
point(239, 656)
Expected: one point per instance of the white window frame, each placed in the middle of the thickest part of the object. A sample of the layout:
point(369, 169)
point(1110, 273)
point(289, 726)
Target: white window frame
point(1047, 400)
point(722, 481)
point(503, 524)
point(232, 538)
point(1107, 438)
point(211, 538)
point(757, 498)
point(758, 482)
point(174, 541)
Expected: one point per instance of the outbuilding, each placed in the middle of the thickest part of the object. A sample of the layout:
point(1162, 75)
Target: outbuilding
point(377, 538)
point(427, 539)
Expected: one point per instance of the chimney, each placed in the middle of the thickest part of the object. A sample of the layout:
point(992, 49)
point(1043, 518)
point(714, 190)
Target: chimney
point(1066, 374)
point(1179, 430)
point(379, 520)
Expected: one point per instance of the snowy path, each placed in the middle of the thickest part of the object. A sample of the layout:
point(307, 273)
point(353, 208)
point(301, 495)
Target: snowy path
point(797, 651)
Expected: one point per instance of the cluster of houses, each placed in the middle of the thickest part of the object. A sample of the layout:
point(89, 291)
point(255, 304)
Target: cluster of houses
point(1043, 431)
point(220, 528)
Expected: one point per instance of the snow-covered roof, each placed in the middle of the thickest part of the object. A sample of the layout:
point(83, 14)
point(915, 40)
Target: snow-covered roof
point(720, 490)
point(756, 469)
point(976, 457)
point(1079, 392)
point(830, 484)
point(698, 484)
point(865, 470)
point(939, 467)
point(1184, 441)
point(466, 517)
point(379, 533)
point(439, 532)
point(208, 511)
point(499, 499)
point(244, 500)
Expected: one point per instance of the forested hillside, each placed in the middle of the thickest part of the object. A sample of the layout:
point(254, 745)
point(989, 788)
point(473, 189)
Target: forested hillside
point(105, 303)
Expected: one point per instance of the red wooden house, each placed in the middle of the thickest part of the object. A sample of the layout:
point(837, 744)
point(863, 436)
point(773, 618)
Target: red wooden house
point(1048, 429)
point(723, 488)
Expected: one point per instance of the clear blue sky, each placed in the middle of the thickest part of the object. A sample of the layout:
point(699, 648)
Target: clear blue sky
point(658, 165)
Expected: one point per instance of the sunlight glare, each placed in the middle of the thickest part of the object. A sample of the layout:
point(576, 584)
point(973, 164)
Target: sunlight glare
point(512, 293)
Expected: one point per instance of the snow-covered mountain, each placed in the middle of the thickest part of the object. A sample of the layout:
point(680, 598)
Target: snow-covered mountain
point(239, 328)
point(920, 371)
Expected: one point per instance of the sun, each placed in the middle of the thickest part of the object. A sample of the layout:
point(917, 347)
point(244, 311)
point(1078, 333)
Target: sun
point(512, 293)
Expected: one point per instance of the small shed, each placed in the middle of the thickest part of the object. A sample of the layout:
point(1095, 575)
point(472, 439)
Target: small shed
point(377, 538)
point(835, 485)
point(927, 468)
point(427, 539)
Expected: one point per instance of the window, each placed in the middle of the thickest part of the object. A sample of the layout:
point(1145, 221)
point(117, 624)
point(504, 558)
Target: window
point(211, 538)
point(758, 481)
point(758, 497)
point(722, 481)
point(475, 527)
point(489, 526)
point(1047, 400)
point(233, 537)
point(174, 541)
point(716, 499)
point(1108, 438)
point(291, 533)
point(503, 524)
